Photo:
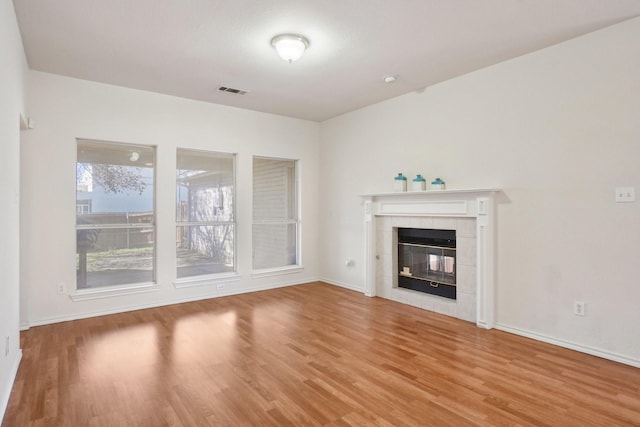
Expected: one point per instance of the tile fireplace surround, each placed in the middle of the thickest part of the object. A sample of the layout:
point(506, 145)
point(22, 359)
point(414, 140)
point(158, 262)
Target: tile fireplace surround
point(469, 212)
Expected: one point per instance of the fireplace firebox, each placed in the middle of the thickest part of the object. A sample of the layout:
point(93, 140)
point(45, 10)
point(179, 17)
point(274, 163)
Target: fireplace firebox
point(427, 261)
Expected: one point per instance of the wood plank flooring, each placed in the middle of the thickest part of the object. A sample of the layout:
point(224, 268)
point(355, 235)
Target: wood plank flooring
point(308, 355)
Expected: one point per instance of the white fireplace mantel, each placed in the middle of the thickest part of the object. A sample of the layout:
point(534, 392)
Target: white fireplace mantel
point(471, 203)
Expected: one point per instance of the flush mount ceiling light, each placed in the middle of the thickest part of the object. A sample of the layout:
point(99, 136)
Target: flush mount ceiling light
point(290, 47)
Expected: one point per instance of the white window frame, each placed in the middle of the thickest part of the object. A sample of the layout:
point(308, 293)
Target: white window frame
point(85, 294)
point(214, 278)
point(298, 266)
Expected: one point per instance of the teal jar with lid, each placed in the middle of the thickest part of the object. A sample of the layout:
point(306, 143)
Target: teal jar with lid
point(419, 183)
point(400, 183)
point(437, 184)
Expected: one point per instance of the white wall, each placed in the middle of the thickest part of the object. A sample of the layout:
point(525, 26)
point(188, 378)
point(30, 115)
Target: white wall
point(13, 73)
point(67, 108)
point(557, 130)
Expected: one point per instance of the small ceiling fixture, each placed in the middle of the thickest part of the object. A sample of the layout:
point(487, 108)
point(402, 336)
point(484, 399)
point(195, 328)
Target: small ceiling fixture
point(290, 47)
point(390, 79)
point(134, 156)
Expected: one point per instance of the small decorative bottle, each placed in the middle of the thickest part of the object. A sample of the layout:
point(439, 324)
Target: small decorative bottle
point(400, 183)
point(437, 184)
point(419, 183)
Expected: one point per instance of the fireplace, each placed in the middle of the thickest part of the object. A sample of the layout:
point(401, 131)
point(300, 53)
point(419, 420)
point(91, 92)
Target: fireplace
point(427, 261)
point(468, 269)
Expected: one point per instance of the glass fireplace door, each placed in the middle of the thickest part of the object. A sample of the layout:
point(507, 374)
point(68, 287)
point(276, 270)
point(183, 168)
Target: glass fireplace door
point(441, 265)
point(429, 263)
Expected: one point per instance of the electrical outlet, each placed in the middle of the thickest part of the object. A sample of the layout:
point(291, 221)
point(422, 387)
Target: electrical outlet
point(61, 288)
point(578, 308)
point(625, 194)
point(220, 286)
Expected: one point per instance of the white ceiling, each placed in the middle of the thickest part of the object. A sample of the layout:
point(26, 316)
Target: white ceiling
point(188, 48)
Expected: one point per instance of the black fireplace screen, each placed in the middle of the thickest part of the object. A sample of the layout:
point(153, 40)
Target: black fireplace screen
point(427, 261)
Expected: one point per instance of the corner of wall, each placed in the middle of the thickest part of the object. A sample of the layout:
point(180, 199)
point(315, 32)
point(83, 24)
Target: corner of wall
point(7, 384)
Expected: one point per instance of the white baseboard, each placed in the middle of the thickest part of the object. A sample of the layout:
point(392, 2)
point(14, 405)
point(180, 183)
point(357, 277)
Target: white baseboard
point(5, 389)
point(213, 294)
point(343, 285)
point(571, 345)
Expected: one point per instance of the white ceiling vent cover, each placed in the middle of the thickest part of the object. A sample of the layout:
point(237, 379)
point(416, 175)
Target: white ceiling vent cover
point(232, 90)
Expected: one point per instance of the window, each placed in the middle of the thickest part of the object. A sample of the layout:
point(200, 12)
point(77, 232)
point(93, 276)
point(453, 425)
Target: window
point(205, 232)
point(114, 214)
point(275, 213)
point(83, 206)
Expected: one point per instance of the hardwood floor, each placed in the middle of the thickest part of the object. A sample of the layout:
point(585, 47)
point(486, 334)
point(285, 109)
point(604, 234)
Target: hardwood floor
point(308, 355)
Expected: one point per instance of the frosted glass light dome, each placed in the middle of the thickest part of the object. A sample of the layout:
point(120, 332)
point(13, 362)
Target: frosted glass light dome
point(290, 47)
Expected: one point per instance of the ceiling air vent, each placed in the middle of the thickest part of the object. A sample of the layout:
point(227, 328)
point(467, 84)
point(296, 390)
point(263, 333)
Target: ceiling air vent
point(232, 90)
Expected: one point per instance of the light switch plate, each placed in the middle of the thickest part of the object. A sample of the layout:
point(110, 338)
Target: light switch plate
point(625, 194)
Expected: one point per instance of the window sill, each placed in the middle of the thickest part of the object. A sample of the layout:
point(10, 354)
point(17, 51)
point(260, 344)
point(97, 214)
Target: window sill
point(112, 291)
point(268, 272)
point(189, 282)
